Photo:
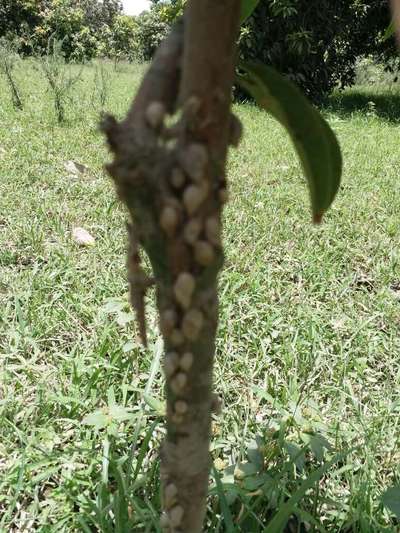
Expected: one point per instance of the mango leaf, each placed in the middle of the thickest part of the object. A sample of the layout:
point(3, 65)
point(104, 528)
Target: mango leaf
point(390, 31)
point(246, 9)
point(391, 500)
point(315, 142)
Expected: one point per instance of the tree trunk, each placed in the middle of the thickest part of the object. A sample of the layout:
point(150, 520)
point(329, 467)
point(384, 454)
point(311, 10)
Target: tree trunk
point(172, 180)
point(395, 4)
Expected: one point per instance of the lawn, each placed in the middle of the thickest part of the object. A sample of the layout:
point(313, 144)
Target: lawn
point(308, 355)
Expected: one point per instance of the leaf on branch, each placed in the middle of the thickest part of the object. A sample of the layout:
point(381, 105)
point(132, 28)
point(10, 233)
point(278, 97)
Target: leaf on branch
point(246, 9)
point(315, 142)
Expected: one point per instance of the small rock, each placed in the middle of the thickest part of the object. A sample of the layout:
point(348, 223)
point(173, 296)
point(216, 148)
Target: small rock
point(75, 168)
point(82, 237)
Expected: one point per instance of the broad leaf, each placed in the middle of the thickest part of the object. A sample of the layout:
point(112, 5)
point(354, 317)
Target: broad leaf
point(391, 500)
point(114, 305)
point(246, 9)
point(255, 454)
point(243, 470)
point(98, 419)
point(119, 413)
point(315, 142)
point(297, 455)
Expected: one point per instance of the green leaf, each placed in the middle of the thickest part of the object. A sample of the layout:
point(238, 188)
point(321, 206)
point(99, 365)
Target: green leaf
point(254, 453)
point(229, 475)
point(315, 142)
point(114, 305)
point(98, 419)
point(390, 31)
point(105, 417)
point(391, 500)
point(246, 9)
point(318, 445)
point(257, 481)
point(144, 448)
point(129, 346)
point(158, 406)
point(118, 413)
point(243, 470)
point(44, 475)
point(296, 455)
point(124, 318)
point(277, 524)
point(226, 512)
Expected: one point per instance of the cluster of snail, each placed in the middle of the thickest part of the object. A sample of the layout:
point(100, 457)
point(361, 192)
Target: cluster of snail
point(182, 216)
point(183, 322)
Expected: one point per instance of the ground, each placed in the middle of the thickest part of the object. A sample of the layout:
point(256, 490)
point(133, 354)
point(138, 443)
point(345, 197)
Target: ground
point(308, 362)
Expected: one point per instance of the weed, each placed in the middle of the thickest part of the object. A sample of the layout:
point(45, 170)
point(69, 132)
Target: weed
point(101, 86)
point(8, 60)
point(59, 76)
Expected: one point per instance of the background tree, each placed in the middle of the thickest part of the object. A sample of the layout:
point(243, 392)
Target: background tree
point(122, 42)
point(20, 17)
point(152, 28)
point(315, 43)
point(84, 26)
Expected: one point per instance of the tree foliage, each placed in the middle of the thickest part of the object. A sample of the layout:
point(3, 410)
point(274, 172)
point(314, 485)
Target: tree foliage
point(86, 27)
point(120, 40)
point(315, 43)
point(153, 27)
point(18, 17)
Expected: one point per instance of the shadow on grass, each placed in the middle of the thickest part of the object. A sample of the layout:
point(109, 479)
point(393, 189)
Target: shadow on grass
point(382, 103)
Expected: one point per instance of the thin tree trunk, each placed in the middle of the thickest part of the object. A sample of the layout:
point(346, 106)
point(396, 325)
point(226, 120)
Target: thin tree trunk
point(172, 181)
point(395, 4)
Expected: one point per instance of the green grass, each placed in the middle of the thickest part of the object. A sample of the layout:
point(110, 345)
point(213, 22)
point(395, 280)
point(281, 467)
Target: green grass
point(308, 360)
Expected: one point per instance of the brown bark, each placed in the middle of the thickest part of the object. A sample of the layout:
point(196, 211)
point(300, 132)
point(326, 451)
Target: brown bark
point(395, 4)
point(172, 181)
